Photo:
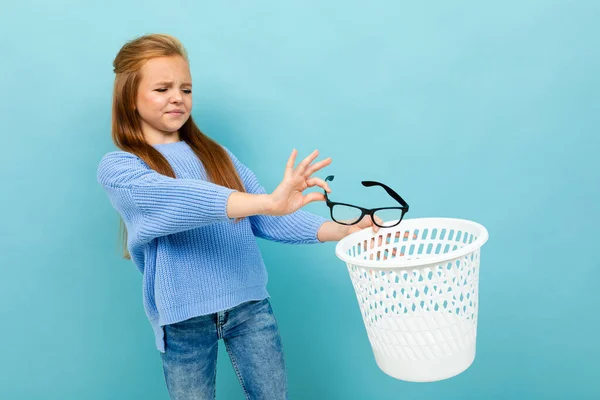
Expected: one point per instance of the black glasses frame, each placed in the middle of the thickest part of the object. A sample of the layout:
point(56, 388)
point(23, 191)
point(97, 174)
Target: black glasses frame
point(369, 211)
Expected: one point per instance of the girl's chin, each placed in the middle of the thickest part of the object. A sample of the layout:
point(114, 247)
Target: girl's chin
point(171, 127)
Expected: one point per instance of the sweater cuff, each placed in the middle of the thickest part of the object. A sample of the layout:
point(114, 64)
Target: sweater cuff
point(220, 202)
point(316, 225)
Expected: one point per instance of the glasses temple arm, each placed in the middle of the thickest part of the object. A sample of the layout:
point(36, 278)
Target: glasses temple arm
point(392, 193)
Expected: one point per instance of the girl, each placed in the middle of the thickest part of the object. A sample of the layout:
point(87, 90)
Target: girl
point(191, 211)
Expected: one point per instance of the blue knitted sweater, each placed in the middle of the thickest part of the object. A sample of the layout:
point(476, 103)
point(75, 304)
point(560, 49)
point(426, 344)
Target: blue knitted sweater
point(194, 259)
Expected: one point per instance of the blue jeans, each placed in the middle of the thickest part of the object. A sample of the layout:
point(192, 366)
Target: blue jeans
point(252, 340)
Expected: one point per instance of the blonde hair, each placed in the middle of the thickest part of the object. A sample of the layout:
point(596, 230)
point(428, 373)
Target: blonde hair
point(126, 128)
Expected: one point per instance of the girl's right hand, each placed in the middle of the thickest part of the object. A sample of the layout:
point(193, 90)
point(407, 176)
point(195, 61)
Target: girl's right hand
point(288, 197)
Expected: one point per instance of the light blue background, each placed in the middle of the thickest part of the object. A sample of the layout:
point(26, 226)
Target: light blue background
point(487, 111)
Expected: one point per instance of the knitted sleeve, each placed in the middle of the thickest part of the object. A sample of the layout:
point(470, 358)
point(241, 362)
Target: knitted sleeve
point(152, 204)
point(299, 227)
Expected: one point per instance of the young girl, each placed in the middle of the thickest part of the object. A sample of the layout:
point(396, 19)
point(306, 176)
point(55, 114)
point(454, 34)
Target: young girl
point(191, 212)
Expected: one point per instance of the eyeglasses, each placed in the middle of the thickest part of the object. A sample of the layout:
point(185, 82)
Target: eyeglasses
point(348, 214)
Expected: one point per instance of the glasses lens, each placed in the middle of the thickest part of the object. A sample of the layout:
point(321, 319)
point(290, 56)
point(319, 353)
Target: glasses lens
point(389, 217)
point(346, 214)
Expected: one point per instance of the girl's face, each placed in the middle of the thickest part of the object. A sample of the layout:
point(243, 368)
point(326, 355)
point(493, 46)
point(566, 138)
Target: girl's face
point(164, 98)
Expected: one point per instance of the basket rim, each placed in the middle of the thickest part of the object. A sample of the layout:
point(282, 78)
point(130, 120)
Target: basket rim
point(420, 262)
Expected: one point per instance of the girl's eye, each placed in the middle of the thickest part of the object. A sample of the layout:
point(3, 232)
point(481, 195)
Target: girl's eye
point(162, 90)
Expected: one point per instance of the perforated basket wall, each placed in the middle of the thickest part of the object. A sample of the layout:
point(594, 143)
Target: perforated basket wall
point(417, 288)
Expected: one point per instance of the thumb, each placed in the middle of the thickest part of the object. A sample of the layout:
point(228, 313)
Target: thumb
point(372, 223)
point(315, 196)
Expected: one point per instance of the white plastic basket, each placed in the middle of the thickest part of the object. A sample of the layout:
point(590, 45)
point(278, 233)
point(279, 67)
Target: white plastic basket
point(417, 288)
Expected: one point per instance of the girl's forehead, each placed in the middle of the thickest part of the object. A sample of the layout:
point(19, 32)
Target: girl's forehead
point(166, 69)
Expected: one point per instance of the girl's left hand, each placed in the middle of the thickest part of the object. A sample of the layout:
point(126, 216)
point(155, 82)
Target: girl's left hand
point(366, 222)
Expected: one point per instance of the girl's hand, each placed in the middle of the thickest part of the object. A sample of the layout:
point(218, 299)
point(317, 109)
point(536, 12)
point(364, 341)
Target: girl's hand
point(288, 197)
point(365, 223)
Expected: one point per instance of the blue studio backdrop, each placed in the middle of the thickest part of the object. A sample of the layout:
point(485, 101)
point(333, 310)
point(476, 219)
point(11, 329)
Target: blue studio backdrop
point(487, 111)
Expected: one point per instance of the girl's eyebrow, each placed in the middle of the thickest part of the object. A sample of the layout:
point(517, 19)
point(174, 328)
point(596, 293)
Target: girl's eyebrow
point(169, 83)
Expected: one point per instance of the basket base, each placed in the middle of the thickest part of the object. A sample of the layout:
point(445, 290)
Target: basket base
point(425, 370)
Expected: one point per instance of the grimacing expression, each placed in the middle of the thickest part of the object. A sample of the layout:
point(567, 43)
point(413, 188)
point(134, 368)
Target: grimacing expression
point(164, 97)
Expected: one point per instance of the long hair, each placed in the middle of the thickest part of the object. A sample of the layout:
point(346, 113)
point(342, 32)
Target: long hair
point(126, 127)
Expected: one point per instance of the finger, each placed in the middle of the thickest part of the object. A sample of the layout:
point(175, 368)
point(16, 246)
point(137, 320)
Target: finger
point(317, 166)
point(314, 181)
point(374, 227)
point(302, 166)
point(309, 198)
point(289, 167)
